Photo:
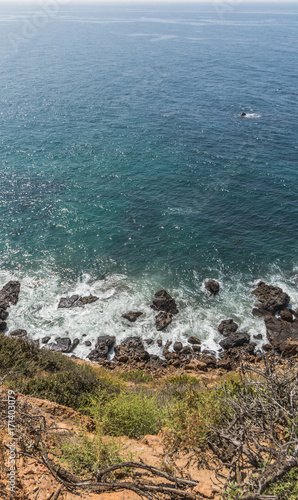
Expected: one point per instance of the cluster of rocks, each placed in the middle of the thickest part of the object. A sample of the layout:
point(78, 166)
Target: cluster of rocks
point(282, 330)
point(273, 305)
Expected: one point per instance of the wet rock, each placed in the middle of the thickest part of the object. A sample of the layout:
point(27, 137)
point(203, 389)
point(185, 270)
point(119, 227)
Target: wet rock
point(162, 320)
point(159, 342)
point(3, 326)
point(9, 294)
point(164, 302)
point(45, 340)
point(88, 343)
point(259, 312)
point(286, 315)
point(3, 314)
point(132, 316)
point(194, 340)
point(186, 350)
point(102, 348)
point(19, 333)
point(235, 340)
point(227, 326)
point(258, 336)
point(76, 301)
point(212, 286)
point(271, 298)
point(196, 348)
point(177, 346)
point(149, 341)
point(280, 332)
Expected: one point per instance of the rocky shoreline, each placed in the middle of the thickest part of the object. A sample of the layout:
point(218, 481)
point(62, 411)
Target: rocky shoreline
point(273, 305)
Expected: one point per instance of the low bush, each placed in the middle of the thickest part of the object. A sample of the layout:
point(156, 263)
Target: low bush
point(86, 455)
point(127, 414)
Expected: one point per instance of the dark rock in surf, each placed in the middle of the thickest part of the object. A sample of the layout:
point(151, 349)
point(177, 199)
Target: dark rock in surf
point(19, 333)
point(3, 326)
point(3, 314)
point(212, 286)
point(235, 340)
point(271, 298)
point(164, 302)
point(45, 340)
point(194, 340)
point(178, 346)
point(227, 326)
point(132, 350)
point(9, 294)
point(281, 332)
point(132, 316)
point(63, 344)
point(162, 320)
point(103, 346)
point(286, 315)
point(76, 301)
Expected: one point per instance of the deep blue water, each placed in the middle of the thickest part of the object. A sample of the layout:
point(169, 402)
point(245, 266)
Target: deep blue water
point(126, 167)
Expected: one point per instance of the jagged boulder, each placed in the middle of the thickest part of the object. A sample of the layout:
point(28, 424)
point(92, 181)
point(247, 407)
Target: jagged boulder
point(281, 332)
point(162, 320)
point(9, 294)
point(227, 326)
point(102, 348)
point(271, 299)
point(76, 301)
point(235, 340)
point(131, 349)
point(164, 302)
point(19, 333)
point(212, 286)
point(132, 316)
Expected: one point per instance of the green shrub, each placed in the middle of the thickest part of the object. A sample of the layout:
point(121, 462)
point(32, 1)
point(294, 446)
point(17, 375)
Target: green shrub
point(71, 388)
point(137, 376)
point(21, 357)
point(86, 455)
point(285, 488)
point(127, 414)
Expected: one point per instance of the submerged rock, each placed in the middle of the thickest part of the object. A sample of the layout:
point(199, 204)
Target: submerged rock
point(227, 326)
point(212, 286)
point(164, 302)
point(76, 301)
point(271, 298)
point(102, 348)
point(132, 316)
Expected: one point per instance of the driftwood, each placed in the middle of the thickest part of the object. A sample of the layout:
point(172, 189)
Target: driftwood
point(263, 429)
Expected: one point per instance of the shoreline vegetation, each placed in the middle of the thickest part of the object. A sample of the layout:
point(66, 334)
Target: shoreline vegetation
point(234, 417)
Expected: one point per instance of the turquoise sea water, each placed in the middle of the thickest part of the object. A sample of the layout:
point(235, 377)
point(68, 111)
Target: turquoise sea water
point(126, 167)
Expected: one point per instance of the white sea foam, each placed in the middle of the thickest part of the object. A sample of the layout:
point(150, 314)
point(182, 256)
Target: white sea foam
point(37, 310)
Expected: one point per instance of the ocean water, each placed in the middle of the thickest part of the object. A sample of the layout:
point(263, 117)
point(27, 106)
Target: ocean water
point(126, 167)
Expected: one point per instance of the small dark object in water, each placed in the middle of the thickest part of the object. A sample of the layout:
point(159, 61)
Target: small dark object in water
point(243, 114)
